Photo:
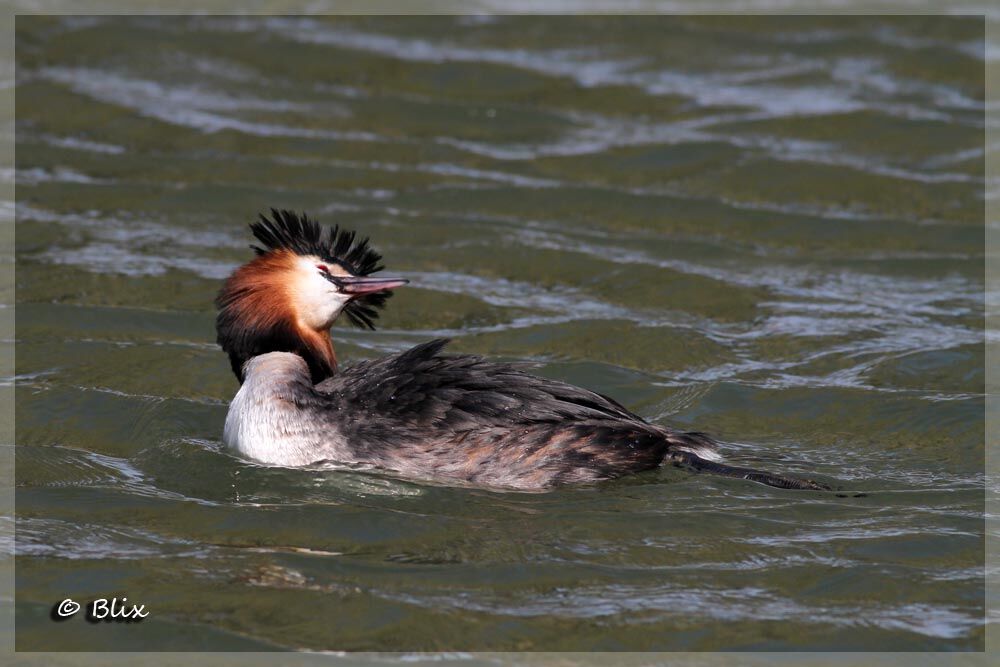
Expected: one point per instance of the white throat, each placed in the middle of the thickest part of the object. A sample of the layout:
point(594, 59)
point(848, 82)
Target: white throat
point(269, 419)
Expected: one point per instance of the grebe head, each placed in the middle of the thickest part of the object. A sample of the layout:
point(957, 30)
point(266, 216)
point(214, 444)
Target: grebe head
point(287, 297)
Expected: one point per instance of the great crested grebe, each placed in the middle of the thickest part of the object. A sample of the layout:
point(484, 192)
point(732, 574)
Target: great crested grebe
point(421, 413)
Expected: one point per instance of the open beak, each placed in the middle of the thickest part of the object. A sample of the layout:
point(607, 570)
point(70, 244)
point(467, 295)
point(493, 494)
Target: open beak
point(358, 285)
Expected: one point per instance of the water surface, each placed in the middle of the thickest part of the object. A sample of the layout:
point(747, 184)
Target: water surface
point(768, 229)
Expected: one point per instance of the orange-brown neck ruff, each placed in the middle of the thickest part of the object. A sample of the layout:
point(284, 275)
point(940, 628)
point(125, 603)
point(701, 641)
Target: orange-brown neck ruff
point(257, 315)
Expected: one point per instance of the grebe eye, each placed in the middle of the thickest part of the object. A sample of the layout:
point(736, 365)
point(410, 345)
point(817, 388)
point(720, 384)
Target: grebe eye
point(323, 268)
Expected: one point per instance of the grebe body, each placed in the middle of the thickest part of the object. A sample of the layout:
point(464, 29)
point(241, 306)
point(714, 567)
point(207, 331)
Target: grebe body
point(422, 413)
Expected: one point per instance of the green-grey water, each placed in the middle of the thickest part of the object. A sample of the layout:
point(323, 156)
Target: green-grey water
point(765, 228)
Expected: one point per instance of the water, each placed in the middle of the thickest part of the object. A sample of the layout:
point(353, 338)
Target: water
point(769, 229)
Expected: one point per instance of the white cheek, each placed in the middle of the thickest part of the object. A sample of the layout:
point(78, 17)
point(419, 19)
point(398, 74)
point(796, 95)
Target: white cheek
point(320, 303)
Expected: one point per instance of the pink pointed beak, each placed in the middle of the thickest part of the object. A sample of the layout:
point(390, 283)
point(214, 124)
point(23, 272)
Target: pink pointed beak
point(358, 285)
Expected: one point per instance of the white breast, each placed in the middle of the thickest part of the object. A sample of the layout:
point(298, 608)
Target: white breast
point(265, 422)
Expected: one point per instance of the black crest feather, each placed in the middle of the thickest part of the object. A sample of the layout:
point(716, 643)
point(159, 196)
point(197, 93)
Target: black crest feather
point(286, 230)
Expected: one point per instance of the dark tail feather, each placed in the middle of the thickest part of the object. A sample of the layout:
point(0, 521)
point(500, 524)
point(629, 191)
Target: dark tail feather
point(695, 463)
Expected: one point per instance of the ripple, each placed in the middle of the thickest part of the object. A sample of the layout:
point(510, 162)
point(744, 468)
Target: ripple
point(725, 604)
point(190, 106)
point(49, 538)
point(509, 293)
point(441, 169)
point(904, 313)
point(56, 175)
point(116, 244)
point(588, 67)
point(80, 144)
